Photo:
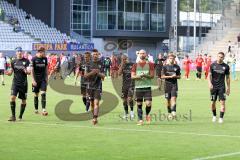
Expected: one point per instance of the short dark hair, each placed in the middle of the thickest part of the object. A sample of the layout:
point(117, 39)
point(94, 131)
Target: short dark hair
point(221, 53)
point(86, 53)
point(94, 50)
point(41, 49)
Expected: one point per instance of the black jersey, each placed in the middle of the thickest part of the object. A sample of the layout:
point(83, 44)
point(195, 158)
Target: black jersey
point(19, 66)
point(95, 82)
point(84, 68)
point(170, 70)
point(219, 71)
point(126, 75)
point(39, 66)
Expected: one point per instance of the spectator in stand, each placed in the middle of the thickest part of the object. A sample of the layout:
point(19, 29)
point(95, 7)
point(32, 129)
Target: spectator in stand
point(28, 16)
point(229, 47)
point(238, 40)
point(2, 15)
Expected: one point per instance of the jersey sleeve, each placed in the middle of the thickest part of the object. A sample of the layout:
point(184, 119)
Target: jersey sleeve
point(227, 72)
point(46, 61)
point(27, 63)
point(33, 64)
point(134, 68)
point(163, 73)
point(151, 66)
point(80, 67)
point(12, 65)
point(102, 68)
point(178, 72)
point(211, 68)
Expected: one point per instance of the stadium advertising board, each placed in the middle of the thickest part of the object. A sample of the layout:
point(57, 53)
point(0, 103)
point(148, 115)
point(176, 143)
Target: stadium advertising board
point(64, 46)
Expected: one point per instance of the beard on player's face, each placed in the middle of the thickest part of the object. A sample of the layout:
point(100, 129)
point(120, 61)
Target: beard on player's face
point(39, 54)
point(171, 61)
point(19, 55)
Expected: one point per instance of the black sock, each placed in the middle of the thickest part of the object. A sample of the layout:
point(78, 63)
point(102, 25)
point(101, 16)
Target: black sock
point(221, 114)
point(169, 109)
point(125, 105)
point(87, 105)
point(22, 109)
point(43, 100)
point(140, 112)
point(36, 103)
point(214, 112)
point(131, 105)
point(84, 99)
point(174, 108)
point(200, 75)
point(197, 75)
point(148, 110)
point(13, 108)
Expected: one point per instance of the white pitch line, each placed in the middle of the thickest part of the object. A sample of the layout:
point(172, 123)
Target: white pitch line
point(125, 129)
point(218, 156)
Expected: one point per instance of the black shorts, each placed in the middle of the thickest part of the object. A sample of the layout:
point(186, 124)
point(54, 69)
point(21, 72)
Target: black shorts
point(41, 85)
point(199, 69)
point(127, 92)
point(143, 94)
point(93, 94)
point(83, 89)
point(1, 71)
point(21, 91)
point(171, 91)
point(218, 93)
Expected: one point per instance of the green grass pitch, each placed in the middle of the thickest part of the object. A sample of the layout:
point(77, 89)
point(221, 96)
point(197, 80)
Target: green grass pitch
point(38, 137)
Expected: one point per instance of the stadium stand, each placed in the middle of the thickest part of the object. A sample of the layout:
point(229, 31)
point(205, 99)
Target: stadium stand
point(31, 29)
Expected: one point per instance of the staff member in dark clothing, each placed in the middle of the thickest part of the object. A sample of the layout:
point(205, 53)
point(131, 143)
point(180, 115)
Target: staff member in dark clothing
point(158, 68)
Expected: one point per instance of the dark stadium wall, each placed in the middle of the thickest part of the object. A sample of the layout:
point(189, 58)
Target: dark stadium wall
point(62, 15)
point(41, 9)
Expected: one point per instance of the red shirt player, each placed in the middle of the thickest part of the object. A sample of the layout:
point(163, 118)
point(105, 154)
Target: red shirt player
point(208, 63)
point(114, 67)
point(52, 64)
point(186, 65)
point(199, 64)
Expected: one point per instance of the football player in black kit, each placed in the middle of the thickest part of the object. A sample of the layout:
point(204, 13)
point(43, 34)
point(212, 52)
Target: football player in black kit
point(40, 79)
point(216, 80)
point(171, 73)
point(127, 86)
point(20, 68)
point(95, 77)
point(83, 69)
